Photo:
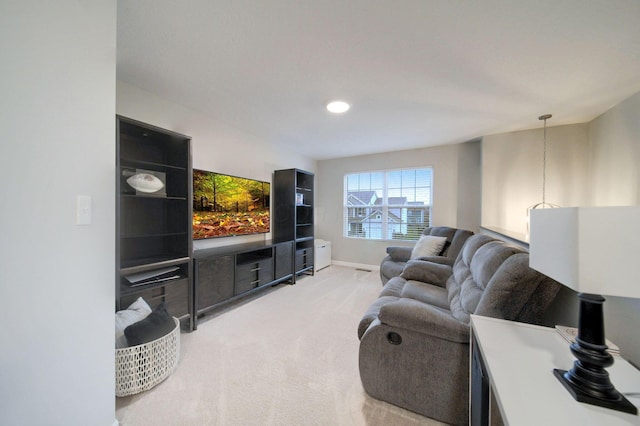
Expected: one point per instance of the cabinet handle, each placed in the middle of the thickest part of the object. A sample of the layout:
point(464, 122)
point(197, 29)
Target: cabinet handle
point(255, 269)
point(255, 282)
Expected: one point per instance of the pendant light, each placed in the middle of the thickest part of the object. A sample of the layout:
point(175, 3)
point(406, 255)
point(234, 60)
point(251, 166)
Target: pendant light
point(543, 204)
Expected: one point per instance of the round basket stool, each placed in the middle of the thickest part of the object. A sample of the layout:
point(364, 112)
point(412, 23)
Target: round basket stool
point(139, 368)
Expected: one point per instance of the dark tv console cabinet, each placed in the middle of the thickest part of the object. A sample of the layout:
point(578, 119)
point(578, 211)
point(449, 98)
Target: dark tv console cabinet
point(222, 274)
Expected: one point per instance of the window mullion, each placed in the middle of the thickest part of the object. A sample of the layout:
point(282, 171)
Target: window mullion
point(385, 208)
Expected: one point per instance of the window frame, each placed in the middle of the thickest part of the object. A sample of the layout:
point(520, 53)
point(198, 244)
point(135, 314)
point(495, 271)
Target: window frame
point(353, 229)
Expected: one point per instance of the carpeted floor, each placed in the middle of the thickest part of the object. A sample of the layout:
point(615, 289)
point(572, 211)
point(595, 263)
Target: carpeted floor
point(286, 357)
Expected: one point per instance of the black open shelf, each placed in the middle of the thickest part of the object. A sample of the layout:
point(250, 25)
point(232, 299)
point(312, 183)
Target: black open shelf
point(153, 230)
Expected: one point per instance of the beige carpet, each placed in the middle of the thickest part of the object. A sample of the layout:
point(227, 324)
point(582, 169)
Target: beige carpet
point(287, 357)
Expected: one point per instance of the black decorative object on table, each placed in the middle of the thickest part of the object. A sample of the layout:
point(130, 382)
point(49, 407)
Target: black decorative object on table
point(567, 245)
point(588, 381)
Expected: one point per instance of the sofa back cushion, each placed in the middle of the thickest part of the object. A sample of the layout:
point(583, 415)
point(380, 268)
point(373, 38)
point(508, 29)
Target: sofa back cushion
point(460, 304)
point(473, 271)
point(492, 278)
point(518, 292)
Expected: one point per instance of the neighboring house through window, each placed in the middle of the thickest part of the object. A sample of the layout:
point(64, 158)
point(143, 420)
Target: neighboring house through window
point(388, 205)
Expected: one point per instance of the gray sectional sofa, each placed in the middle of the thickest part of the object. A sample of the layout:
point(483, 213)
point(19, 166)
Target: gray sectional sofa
point(414, 339)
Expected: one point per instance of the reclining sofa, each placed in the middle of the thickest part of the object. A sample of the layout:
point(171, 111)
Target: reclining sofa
point(397, 256)
point(414, 339)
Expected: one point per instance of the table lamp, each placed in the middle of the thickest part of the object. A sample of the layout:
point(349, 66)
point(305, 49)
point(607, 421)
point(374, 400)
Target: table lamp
point(594, 251)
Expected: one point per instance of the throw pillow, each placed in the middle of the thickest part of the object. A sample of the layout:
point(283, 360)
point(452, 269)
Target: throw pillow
point(137, 311)
point(157, 324)
point(428, 245)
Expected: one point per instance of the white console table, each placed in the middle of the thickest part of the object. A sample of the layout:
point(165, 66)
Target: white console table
point(518, 360)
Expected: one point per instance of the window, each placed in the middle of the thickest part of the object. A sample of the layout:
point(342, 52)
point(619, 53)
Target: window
point(387, 205)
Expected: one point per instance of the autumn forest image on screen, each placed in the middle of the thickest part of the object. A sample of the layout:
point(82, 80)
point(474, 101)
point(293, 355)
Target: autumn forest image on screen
point(227, 205)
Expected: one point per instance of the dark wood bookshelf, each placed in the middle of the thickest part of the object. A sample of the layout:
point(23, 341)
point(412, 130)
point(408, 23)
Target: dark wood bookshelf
point(153, 230)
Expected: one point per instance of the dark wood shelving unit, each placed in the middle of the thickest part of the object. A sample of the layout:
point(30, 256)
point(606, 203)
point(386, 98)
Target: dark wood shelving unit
point(153, 229)
point(294, 220)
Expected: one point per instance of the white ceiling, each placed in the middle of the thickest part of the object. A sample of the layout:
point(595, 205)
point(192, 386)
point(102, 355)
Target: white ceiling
point(417, 72)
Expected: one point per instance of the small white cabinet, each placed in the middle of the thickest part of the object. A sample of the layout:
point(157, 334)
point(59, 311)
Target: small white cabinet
point(322, 254)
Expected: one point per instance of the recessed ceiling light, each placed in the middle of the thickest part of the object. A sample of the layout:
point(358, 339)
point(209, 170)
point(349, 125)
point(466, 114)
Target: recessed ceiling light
point(338, 107)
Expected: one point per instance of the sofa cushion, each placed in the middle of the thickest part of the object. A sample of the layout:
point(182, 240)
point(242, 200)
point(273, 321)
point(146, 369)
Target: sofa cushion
point(488, 259)
point(506, 297)
point(428, 272)
point(428, 245)
point(426, 293)
point(480, 259)
point(393, 287)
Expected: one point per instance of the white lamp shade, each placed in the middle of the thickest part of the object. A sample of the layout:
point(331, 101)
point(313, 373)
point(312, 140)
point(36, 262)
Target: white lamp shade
point(589, 249)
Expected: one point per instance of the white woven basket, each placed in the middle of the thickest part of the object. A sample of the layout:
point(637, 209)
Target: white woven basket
point(139, 368)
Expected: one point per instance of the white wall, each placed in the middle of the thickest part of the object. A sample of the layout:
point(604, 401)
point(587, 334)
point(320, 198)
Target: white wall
point(448, 195)
point(469, 185)
point(215, 146)
point(615, 155)
point(615, 180)
point(57, 278)
point(512, 173)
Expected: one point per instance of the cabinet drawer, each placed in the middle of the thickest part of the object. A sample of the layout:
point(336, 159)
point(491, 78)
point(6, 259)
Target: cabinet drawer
point(304, 258)
point(253, 274)
point(265, 276)
point(175, 295)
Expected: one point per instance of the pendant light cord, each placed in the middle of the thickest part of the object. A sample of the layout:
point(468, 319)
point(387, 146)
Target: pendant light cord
point(544, 158)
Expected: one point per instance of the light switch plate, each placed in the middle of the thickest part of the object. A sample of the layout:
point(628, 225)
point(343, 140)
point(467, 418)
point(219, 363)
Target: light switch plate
point(83, 210)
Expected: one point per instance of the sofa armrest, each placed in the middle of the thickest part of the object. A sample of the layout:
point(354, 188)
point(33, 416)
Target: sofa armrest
point(399, 253)
point(427, 272)
point(423, 318)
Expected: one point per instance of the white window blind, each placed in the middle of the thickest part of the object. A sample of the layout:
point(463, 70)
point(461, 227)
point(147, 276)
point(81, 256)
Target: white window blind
point(388, 205)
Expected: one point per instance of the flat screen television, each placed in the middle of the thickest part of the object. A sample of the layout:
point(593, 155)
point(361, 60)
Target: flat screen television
point(225, 206)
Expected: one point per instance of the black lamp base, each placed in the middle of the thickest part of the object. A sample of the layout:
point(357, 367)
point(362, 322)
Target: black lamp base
point(619, 403)
point(588, 380)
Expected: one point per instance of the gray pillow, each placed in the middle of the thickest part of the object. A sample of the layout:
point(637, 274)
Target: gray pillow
point(157, 324)
point(137, 311)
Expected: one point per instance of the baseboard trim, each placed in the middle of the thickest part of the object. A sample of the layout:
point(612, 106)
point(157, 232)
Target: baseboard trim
point(356, 265)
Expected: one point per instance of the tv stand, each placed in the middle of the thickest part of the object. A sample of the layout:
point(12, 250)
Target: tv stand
point(223, 274)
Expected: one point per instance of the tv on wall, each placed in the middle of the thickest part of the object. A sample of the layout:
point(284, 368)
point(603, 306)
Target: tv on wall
point(225, 206)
